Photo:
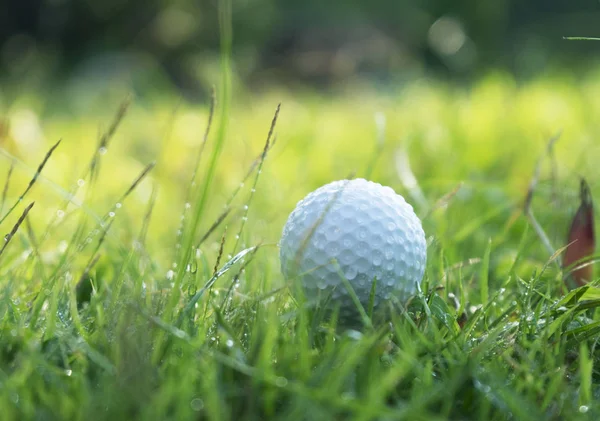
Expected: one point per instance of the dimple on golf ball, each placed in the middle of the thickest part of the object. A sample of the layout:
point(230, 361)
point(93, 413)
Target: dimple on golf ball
point(358, 230)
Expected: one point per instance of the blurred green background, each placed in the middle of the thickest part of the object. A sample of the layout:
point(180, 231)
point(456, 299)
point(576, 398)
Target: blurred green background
point(60, 43)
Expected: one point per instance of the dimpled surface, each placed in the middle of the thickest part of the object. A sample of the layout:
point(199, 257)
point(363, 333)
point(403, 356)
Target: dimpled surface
point(360, 229)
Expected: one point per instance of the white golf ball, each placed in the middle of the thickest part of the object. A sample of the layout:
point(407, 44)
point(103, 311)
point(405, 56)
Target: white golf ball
point(358, 230)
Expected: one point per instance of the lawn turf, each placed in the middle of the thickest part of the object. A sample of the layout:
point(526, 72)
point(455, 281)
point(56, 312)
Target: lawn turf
point(131, 292)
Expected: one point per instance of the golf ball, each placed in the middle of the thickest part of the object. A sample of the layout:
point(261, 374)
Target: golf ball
point(358, 230)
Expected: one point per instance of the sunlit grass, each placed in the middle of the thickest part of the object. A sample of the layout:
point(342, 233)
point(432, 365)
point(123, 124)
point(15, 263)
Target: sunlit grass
point(111, 321)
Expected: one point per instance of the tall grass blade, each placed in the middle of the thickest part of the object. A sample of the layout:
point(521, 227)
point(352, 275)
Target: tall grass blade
point(15, 228)
point(32, 181)
point(253, 190)
point(6, 184)
point(484, 274)
point(105, 138)
point(224, 9)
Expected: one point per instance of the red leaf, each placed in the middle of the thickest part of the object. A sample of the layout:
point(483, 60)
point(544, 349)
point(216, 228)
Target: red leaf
point(581, 239)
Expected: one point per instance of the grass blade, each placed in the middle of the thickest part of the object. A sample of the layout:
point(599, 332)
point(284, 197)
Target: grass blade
point(15, 228)
point(32, 181)
point(6, 184)
point(484, 274)
point(253, 190)
point(105, 138)
point(581, 38)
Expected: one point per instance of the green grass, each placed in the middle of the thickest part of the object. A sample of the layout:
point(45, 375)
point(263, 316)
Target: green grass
point(130, 292)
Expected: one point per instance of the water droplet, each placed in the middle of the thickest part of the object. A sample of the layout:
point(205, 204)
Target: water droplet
point(118, 205)
point(241, 185)
point(102, 150)
point(229, 256)
point(80, 182)
point(68, 372)
point(174, 265)
point(62, 246)
point(253, 190)
point(245, 207)
point(170, 275)
point(354, 334)
point(347, 396)
point(237, 237)
point(229, 343)
point(281, 381)
point(60, 213)
point(198, 253)
point(197, 404)
point(245, 218)
point(188, 205)
point(584, 408)
point(111, 214)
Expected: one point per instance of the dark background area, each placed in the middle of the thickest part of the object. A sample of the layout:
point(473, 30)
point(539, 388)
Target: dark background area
point(312, 41)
